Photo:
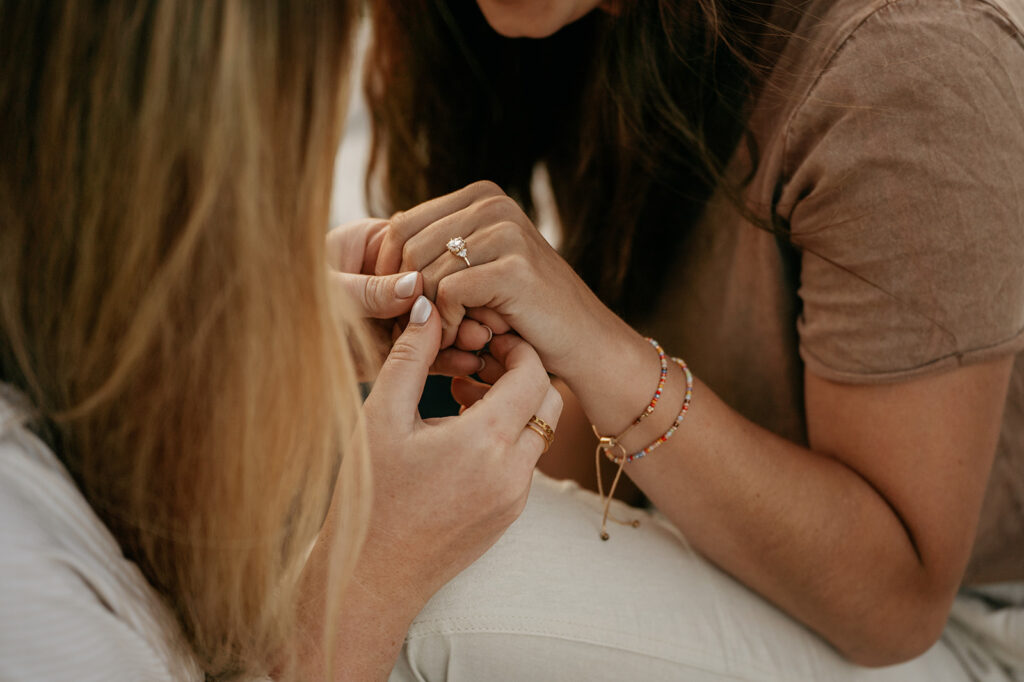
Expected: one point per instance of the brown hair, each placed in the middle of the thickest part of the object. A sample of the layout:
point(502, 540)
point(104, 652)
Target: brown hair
point(164, 190)
point(635, 116)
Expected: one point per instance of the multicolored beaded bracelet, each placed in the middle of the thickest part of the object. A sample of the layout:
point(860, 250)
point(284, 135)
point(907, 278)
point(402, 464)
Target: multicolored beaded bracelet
point(663, 359)
point(672, 429)
point(607, 444)
point(613, 441)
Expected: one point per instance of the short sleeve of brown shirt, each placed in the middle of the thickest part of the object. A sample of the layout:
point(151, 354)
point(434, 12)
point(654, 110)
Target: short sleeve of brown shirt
point(890, 152)
point(904, 189)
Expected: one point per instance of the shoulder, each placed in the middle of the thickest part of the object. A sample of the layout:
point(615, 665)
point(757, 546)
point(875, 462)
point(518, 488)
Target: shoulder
point(871, 72)
point(71, 606)
point(826, 29)
point(850, 49)
point(897, 171)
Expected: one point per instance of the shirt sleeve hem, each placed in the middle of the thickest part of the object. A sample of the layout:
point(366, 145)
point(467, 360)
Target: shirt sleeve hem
point(818, 367)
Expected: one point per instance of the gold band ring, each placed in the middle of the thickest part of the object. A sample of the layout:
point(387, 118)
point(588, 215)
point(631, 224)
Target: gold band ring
point(543, 429)
point(457, 247)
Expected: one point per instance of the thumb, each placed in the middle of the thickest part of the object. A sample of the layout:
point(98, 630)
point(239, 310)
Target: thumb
point(380, 297)
point(401, 379)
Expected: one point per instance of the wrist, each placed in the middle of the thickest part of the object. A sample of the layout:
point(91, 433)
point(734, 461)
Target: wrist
point(616, 379)
point(368, 622)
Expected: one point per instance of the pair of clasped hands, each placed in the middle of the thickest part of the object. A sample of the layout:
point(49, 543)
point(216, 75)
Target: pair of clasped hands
point(446, 489)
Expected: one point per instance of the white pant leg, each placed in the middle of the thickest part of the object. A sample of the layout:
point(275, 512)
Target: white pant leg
point(551, 601)
point(986, 632)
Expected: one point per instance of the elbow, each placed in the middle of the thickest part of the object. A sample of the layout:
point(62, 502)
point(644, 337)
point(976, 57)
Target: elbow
point(887, 640)
point(884, 652)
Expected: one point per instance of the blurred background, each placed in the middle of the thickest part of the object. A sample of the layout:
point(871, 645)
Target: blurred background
point(348, 202)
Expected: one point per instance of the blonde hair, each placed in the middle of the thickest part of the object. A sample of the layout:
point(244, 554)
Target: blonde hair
point(164, 191)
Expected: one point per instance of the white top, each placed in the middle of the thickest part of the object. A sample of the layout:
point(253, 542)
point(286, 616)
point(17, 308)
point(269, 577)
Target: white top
point(72, 607)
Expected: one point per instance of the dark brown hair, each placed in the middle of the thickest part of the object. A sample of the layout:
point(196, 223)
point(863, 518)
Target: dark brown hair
point(635, 116)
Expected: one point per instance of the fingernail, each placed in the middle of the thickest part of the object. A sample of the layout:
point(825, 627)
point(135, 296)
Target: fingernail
point(483, 363)
point(420, 311)
point(490, 334)
point(406, 285)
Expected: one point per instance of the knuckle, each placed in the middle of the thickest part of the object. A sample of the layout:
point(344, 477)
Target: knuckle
point(398, 221)
point(495, 205)
point(515, 265)
point(444, 291)
point(402, 352)
point(556, 400)
point(374, 292)
point(407, 252)
point(449, 298)
point(485, 188)
point(516, 235)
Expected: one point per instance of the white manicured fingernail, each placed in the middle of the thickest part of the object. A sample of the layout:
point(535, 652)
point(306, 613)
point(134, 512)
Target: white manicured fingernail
point(490, 334)
point(483, 363)
point(406, 285)
point(420, 311)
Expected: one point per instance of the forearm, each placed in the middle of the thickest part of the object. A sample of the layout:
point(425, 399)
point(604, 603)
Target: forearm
point(802, 529)
point(369, 626)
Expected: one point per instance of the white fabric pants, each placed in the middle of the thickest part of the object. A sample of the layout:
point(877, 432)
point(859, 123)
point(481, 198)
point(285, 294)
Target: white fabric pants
point(551, 601)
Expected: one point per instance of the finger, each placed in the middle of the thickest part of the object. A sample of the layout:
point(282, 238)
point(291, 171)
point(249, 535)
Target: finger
point(379, 297)
point(407, 223)
point(425, 246)
point(489, 318)
point(483, 245)
point(513, 398)
point(502, 345)
point(345, 246)
point(484, 286)
point(531, 444)
point(497, 354)
point(472, 336)
point(467, 392)
point(492, 369)
point(373, 243)
point(451, 362)
point(400, 381)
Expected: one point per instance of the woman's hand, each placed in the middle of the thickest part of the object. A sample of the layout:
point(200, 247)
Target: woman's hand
point(352, 251)
point(444, 490)
point(517, 280)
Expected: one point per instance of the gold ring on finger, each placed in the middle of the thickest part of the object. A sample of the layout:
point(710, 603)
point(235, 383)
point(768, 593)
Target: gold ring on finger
point(543, 429)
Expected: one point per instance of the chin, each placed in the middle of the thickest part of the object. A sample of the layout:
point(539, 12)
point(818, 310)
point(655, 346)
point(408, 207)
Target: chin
point(528, 18)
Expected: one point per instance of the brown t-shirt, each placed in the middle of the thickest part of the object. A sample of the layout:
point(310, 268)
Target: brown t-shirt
point(890, 138)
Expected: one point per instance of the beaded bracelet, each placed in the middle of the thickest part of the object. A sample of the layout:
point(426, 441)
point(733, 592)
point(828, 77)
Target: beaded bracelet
point(612, 441)
point(675, 424)
point(607, 443)
point(663, 359)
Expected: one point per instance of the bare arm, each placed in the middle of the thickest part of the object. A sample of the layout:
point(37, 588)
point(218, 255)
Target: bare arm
point(865, 536)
